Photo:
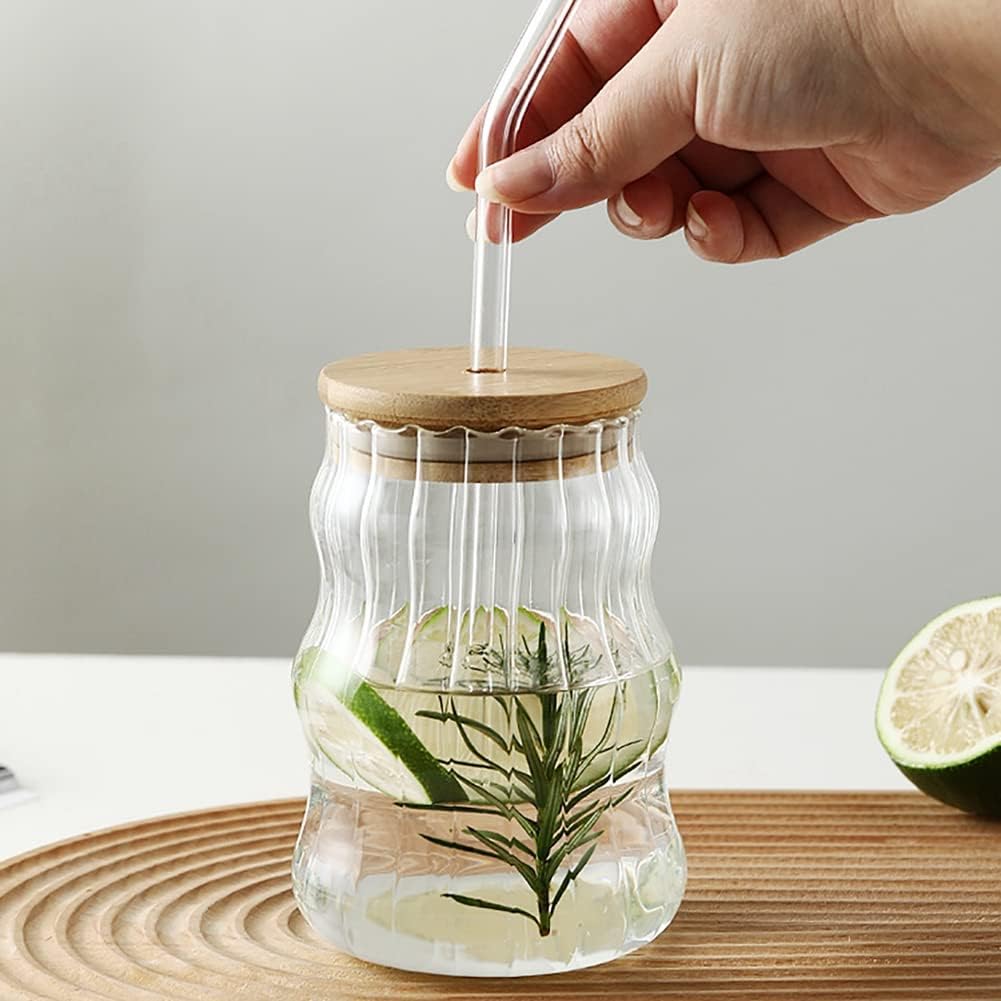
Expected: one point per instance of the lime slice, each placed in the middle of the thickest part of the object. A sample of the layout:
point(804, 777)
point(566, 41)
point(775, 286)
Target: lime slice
point(639, 707)
point(428, 657)
point(354, 727)
point(488, 624)
point(641, 710)
point(939, 710)
point(599, 911)
point(396, 741)
point(390, 641)
point(632, 715)
point(421, 659)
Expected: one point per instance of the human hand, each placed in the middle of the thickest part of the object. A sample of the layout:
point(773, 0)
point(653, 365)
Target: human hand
point(762, 126)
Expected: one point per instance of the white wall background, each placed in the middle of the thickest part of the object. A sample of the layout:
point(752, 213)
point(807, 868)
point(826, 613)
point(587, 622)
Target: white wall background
point(202, 201)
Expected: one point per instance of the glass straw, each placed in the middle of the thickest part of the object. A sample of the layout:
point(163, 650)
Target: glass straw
point(505, 112)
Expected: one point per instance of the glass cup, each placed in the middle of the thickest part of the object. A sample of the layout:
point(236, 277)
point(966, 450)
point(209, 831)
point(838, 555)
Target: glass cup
point(486, 688)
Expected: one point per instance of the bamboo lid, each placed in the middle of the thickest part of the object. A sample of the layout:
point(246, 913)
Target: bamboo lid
point(432, 388)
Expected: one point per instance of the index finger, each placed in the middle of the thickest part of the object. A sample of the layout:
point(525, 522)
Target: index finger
point(605, 35)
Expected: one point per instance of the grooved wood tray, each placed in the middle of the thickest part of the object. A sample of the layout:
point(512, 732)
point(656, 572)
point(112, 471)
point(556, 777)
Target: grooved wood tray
point(791, 895)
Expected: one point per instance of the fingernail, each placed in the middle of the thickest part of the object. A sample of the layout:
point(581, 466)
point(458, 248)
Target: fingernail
point(696, 225)
point(471, 225)
point(626, 214)
point(525, 175)
point(451, 180)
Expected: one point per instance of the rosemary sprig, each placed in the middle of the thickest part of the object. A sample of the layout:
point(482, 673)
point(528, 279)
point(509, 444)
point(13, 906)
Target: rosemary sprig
point(542, 793)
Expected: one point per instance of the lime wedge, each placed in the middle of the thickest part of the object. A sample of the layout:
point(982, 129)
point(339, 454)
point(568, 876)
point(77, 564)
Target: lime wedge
point(939, 710)
point(354, 727)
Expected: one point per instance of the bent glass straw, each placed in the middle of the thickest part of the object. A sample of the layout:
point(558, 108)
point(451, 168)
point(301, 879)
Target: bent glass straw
point(505, 112)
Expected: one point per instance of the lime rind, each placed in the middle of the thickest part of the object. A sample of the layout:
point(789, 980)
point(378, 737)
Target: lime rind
point(360, 733)
point(392, 730)
point(973, 786)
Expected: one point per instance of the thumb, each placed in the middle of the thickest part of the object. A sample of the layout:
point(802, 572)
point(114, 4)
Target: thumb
point(642, 116)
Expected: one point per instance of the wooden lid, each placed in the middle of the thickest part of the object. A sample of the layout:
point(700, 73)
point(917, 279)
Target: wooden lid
point(432, 388)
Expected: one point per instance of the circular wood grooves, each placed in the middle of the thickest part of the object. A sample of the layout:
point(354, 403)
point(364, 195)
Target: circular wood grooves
point(791, 896)
point(432, 388)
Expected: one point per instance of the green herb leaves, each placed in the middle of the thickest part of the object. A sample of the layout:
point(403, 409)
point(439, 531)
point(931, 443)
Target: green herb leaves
point(531, 777)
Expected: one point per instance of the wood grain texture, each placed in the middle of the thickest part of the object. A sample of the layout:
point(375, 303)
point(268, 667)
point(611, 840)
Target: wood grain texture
point(430, 387)
point(791, 896)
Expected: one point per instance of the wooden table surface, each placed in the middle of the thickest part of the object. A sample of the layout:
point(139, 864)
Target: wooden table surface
point(845, 896)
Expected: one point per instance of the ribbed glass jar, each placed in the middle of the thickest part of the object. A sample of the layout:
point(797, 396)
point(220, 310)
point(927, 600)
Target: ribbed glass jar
point(486, 688)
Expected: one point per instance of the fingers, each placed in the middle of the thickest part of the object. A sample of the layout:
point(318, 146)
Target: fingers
point(547, 111)
point(653, 206)
point(461, 171)
point(605, 35)
point(719, 168)
point(649, 208)
point(522, 226)
point(763, 220)
point(811, 175)
point(641, 118)
point(798, 199)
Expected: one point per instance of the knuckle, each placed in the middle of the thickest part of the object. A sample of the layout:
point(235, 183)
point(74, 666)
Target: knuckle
point(582, 149)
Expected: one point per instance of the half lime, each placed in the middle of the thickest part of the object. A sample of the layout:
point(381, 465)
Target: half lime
point(939, 710)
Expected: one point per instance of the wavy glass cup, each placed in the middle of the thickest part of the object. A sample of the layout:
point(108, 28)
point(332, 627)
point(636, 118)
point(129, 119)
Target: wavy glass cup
point(486, 688)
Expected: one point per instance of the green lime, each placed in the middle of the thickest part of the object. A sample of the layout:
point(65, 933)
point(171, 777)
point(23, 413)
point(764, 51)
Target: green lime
point(364, 736)
point(939, 710)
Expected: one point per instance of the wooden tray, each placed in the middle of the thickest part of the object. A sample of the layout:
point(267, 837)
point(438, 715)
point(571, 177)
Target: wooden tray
point(791, 896)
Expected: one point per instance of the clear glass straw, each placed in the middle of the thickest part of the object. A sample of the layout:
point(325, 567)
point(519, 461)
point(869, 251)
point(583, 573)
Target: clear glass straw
point(505, 112)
